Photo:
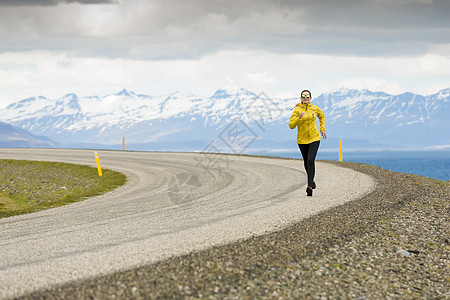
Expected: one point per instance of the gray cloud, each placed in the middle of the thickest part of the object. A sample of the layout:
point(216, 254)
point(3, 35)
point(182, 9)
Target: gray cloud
point(51, 2)
point(172, 29)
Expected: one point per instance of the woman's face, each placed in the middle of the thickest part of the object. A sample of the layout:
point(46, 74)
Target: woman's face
point(306, 97)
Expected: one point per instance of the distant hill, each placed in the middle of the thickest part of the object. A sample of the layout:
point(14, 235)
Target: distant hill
point(235, 120)
point(13, 137)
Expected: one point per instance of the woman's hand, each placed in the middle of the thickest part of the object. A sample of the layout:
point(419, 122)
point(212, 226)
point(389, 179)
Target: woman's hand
point(301, 115)
point(324, 135)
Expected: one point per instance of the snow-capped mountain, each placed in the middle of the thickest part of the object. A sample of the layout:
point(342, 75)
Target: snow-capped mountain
point(405, 120)
point(11, 136)
point(239, 120)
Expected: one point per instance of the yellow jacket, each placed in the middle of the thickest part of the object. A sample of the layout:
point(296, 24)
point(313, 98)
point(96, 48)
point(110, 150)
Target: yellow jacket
point(307, 128)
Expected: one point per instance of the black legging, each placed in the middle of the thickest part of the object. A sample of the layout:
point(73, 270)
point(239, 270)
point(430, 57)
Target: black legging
point(309, 152)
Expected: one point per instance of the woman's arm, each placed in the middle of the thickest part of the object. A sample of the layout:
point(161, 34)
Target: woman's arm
point(293, 121)
point(321, 116)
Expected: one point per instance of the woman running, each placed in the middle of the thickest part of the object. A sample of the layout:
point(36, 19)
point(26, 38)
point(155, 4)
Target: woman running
point(308, 137)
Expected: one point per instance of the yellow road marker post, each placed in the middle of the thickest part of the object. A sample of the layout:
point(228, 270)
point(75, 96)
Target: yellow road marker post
point(340, 150)
point(123, 144)
point(98, 164)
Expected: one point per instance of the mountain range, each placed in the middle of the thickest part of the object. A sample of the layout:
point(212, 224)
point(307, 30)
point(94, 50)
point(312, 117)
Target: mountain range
point(13, 137)
point(236, 121)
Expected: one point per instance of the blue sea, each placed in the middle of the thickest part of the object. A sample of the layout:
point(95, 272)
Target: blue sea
point(429, 163)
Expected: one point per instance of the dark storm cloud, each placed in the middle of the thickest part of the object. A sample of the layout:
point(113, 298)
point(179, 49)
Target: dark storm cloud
point(50, 2)
point(173, 29)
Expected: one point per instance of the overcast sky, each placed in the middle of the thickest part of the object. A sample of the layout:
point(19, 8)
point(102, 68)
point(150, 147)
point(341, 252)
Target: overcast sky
point(98, 47)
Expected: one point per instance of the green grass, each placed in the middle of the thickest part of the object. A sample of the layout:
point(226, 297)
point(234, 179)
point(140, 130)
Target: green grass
point(29, 186)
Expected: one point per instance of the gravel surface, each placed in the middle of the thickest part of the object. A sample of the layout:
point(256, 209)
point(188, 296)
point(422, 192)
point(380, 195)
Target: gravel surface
point(392, 243)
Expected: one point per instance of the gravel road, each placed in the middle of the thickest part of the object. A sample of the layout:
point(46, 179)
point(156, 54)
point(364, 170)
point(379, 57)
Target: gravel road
point(173, 204)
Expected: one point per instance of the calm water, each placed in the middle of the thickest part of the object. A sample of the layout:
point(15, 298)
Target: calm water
point(430, 163)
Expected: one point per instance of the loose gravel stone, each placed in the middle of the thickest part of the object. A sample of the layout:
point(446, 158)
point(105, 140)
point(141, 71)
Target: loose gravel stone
point(350, 251)
point(403, 253)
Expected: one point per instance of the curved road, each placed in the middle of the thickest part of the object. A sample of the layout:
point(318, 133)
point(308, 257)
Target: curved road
point(173, 203)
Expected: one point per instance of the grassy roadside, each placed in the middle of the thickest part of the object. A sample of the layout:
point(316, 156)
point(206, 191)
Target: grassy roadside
point(29, 186)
